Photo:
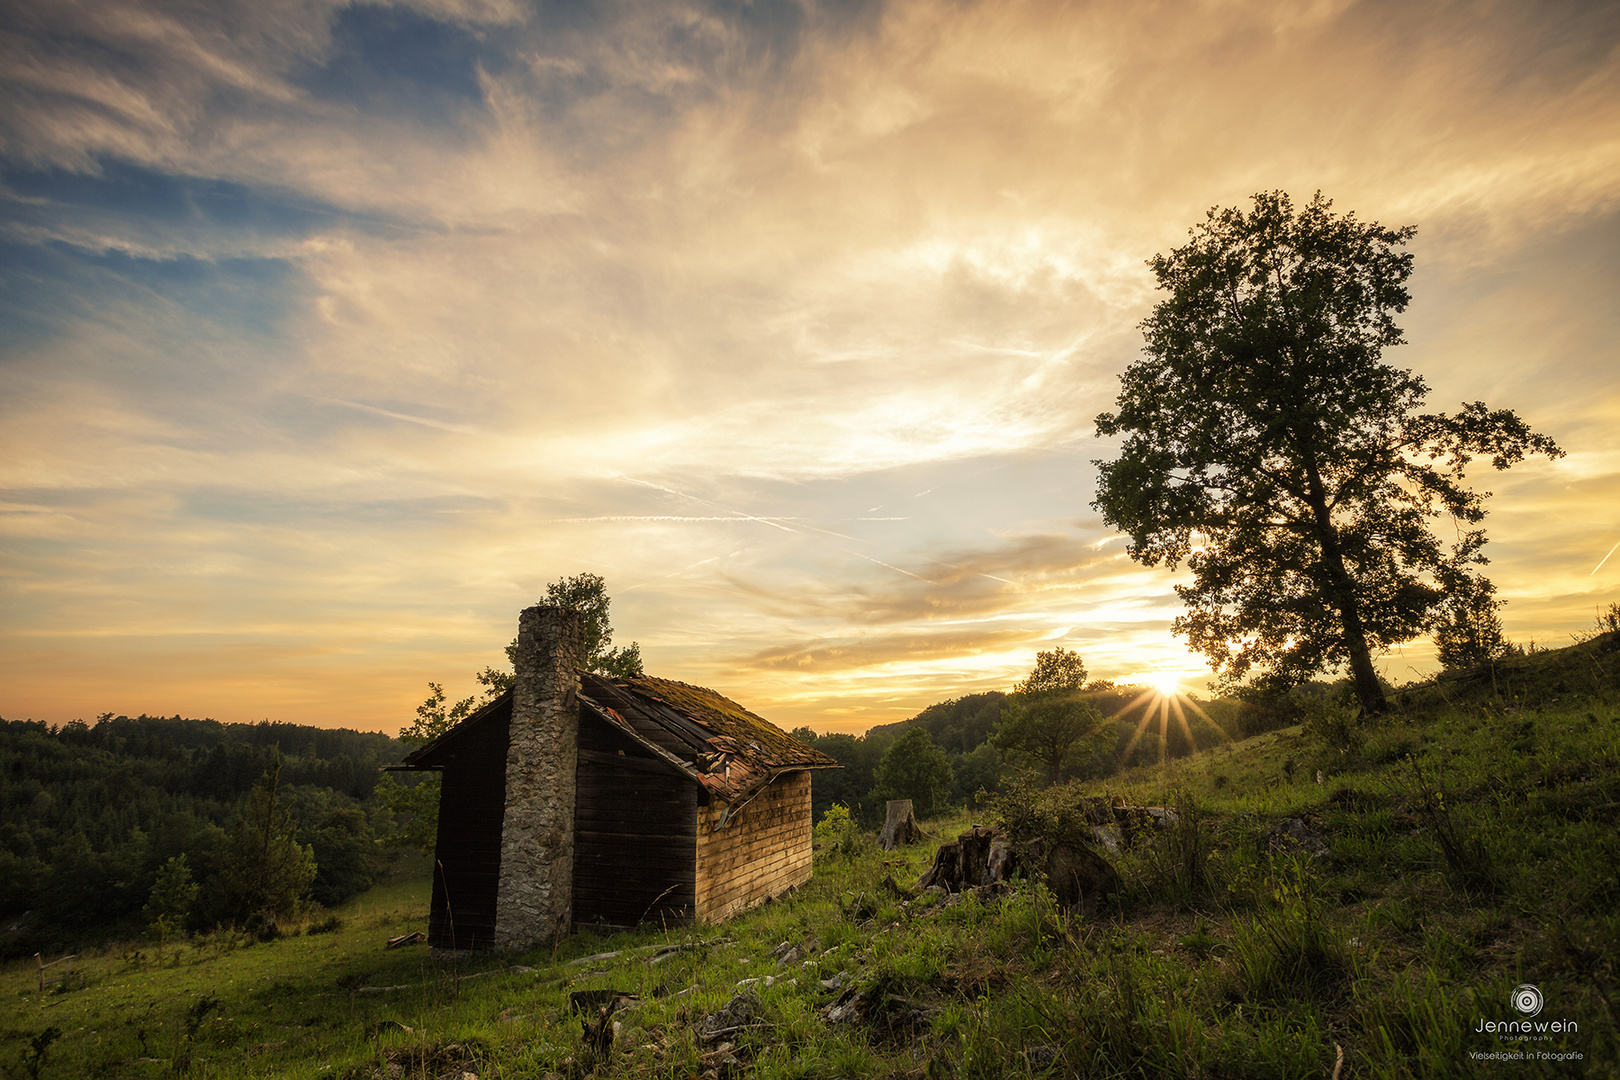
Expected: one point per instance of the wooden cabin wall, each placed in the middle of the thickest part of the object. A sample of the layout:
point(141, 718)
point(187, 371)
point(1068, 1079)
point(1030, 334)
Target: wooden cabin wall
point(467, 868)
point(761, 853)
point(635, 833)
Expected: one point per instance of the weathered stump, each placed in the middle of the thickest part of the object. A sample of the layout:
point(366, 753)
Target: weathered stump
point(947, 869)
point(964, 863)
point(900, 825)
point(1079, 876)
point(976, 844)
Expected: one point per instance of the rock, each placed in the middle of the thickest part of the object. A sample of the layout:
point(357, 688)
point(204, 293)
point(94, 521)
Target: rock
point(888, 1016)
point(1292, 834)
point(1041, 1057)
point(1079, 876)
point(1110, 836)
point(742, 1010)
point(837, 982)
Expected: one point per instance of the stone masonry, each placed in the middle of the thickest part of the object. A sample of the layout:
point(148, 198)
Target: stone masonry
point(534, 900)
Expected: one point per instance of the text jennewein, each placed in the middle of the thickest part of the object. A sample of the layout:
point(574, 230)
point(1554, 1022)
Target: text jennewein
point(1525, 1027)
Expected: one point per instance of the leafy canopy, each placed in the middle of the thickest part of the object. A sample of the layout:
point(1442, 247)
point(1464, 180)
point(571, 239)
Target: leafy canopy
point(1266, 444)
point(587, 594)
point(914, 768)
point(266, 873)
point(415, 806)
point(1048, 716)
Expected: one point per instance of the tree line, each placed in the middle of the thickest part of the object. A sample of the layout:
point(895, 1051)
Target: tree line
point(94, 815)
point(1053, 726)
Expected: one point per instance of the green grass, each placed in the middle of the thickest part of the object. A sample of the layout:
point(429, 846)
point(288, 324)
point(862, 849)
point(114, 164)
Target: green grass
point(1471, 849)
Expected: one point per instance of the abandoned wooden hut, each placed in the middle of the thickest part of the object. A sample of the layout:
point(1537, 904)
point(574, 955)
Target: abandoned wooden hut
point(574, 799)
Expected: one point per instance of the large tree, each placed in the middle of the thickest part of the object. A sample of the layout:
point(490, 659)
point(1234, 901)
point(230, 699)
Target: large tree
point(1267, 445)
point(1048, 716)
point(914, 768)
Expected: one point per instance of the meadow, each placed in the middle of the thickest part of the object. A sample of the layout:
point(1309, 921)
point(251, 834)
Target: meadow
point(1335, 898)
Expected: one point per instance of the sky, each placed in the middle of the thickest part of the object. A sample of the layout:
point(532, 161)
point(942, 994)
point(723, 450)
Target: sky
point(331, 333)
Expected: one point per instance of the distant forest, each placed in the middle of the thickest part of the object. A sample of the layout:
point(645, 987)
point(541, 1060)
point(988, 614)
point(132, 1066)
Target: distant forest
point(963, 731)
point(89, 814)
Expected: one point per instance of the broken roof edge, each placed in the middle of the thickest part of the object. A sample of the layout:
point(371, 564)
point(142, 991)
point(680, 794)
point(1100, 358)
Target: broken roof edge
point(726, 720)
point(420, 759)
point(699, 707)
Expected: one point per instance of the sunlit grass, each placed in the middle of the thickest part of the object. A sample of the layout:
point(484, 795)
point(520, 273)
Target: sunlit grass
point(1217, 957)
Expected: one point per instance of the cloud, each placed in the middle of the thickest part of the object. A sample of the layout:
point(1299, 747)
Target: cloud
point(360, 323)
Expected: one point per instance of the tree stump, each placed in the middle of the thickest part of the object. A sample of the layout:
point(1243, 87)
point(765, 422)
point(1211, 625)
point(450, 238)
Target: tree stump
point(947, 869)
point(964, 863)
point(900, 826)
point(1079, 876)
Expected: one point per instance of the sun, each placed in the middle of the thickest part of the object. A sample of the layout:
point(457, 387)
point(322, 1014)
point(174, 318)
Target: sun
point(1167, 684)
point(1162, 694)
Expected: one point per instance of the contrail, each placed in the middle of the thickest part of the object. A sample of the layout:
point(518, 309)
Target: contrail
point(891, 566)
point(1605, 559)
point(741, 516)
point(459, 429)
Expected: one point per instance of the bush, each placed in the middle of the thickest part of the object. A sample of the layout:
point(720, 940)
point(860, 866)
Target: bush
point(837, 833)
point(1030, 810)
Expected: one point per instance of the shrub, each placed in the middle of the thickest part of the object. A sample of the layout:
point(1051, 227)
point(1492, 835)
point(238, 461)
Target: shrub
point(837, 834)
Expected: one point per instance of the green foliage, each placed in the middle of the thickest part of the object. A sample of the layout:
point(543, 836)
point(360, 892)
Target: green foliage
point(1049, 715)
point(173, 896)
point(1267, 445)
point(1028, 811)
point(1288, 951)
point(850, 786)
point(914, 768)
point(38, 1047)
point(587, 594)
point(1469, 863)
point(1467, 629)
point(345, 855)
point(90, 813)
point(1181, 869)
point(975, 772)
point(266, 874)
point(1049, 729)
point(837, 834)
point(1058, 671)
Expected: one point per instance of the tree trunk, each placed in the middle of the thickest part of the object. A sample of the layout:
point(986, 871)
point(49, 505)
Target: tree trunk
point(900, 826)
point(1368, 690)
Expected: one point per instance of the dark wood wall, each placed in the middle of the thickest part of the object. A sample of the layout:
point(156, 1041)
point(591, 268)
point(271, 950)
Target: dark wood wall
point(635, 833)
point(472, 808)
point(763, 850)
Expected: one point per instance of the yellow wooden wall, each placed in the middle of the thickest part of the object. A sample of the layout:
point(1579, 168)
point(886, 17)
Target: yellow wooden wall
point(763, 850)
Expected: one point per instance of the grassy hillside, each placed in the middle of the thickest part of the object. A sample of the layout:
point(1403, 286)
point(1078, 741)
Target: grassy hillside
point(1467, 847)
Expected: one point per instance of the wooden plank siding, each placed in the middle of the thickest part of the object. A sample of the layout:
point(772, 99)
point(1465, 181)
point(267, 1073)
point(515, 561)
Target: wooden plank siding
point(472, 809)
point(635, 833)
point(763, 850)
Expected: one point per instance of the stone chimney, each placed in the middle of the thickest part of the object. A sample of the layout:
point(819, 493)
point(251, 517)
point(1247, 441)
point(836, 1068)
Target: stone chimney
point(534, 899)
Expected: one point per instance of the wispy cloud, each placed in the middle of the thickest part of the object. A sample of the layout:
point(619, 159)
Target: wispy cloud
point(330, 333)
